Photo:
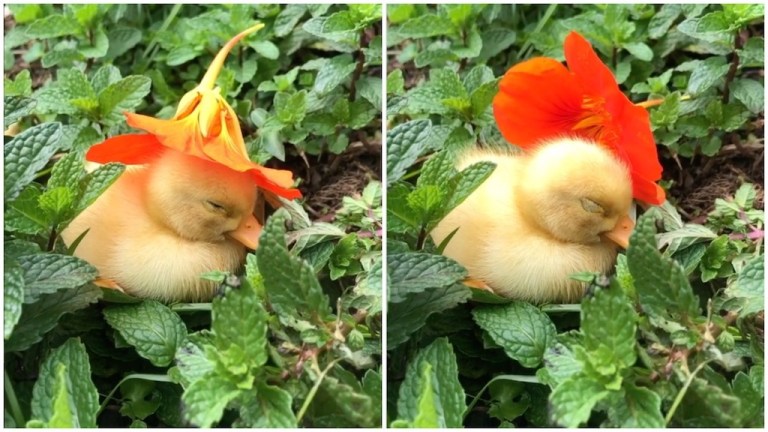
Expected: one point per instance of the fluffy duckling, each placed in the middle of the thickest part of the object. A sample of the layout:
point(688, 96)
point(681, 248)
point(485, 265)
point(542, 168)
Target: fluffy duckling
point(161, 225)
point(540, 217)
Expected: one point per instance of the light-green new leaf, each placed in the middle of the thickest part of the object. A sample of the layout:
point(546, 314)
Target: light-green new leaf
point(636, 407)
point(151, 327)
point(267, 406)
point(572, 401)
point(448, 395)
point(608, 319)
point(85, 399)
point(523, 330)
point(239, 319)
point(206, 399)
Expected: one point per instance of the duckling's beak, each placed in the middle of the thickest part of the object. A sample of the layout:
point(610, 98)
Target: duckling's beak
point(248, 232)
point(621, 232)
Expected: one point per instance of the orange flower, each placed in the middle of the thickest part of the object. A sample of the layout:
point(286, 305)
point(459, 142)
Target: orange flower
point(540, 99)
point(204, 126)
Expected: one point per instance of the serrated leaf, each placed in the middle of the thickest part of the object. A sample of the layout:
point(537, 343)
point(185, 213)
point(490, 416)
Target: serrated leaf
point(191, 360)
point(521, 329)
point(287, 19)
point(40, 317)
point(750, 93)
point(291, 284)
point(13, 297)
point(426, 25)
point(707, 74)
point(151, 327)
point(427, 415)
point(290, 108)
point(78, 372)
point(265, 49)
point(238, 319)
point(206, 399)
point(661, 284)
point(465, 182)
point(48, 273)
point(123, 95)
point(448, 394)
point(608, 319)
point(414, 272)
point(23, 214)
point(67, 172)
point(444, 84)
point(15, 108)
point(63, 411)
point(334, 73)
point(267, 406)
point(572, 401)
point(96, 182)
point(408, 316)
point(121, 40)
point(53, 26)
point(26, 154)
point(405, 143)
point(636, 407)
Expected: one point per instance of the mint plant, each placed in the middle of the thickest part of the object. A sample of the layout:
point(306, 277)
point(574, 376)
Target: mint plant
point(293, 340)
point(673, 336)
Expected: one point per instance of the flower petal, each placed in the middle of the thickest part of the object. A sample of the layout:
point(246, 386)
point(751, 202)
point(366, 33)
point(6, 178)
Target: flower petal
point(637, 141)
point(592, 75)
point(537, 100)
point(131, 149)
point(647, 191)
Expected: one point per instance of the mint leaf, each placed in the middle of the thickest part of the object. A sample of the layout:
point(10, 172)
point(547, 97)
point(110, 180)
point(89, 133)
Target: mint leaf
point(151, 327)
point(15, 108)
point(238, 319)
point(62, 416)
point(707, 74)
point(42, 316)
point(521, 329)
point(405, 143)
point(572, 401)
point(609, 320)
point(13, 297)
point(287, 19)
point(53, 26)
point(123, 95)
point(84, 396)
point(334, 73)
point(414, 272)
point(206, 399)
point(48, 273)
point(267, 406)
point(750, 93)
point(426, 25)
point(636, 407)
point(96, 182)
point(26, 154)
point(427, 415)
point(439, 361)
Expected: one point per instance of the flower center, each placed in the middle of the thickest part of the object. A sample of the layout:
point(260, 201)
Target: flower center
point(595, 120)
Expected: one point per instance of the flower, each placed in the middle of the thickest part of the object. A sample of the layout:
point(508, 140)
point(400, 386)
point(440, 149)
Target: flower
point(540, 99)
point(204, 126)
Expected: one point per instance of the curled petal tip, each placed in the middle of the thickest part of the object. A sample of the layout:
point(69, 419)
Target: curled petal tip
point(218, 62)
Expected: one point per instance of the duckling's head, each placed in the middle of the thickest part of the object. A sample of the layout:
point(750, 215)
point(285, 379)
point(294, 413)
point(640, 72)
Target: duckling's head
point(577, 191)
point(201, 200)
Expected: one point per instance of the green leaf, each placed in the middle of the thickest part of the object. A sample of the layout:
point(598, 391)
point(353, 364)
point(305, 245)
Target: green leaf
point(84, 396)
point(405, 143)
point(482, 97)
point(67, 172)
point(287, 19)
point(750, 285)
point(13, 297)
point(19, 86)
point(427, 415)
point(427, 25)
point(750, 93)
point(206, 399)
point(640, 50)
point(151, 327)
point(238, 319)
point(662, 20)
point(463, 184)
point(408, 316)
point(334, 73)
point(123, 95)
point(26, 154)
point(290, 282)
point(414, 272)
point(121, 40)
point(53, 26)
point(443, 85)
point(572, 401)
point(291, 108)
point(609, 320)
point(395, 82)
point(39, 318)
point(96, 182)
point(440, 361)
point(636, 407)
point(521, 329)
point(48, 273)
point(63, 415)
point(191, 359)
point(707, 73)
point(661, 284)
point(15, 108)
point(267, 406)
point(265, 49)
point(23, 214)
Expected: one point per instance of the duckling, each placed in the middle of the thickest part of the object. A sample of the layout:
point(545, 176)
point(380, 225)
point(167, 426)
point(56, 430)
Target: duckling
point(540, 217)
point(161, 225)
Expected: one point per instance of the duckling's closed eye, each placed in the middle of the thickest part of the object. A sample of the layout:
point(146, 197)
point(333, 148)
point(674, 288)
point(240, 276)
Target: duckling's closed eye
point(216, 207)
point(591, 206)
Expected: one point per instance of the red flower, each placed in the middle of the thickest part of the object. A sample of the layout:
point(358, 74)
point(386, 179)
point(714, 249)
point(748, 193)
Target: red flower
point(540, 99)
point(204, 126)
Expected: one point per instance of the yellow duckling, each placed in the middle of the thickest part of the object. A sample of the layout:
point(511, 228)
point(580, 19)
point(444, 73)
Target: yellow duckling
point(161, 225)
point(540, 217)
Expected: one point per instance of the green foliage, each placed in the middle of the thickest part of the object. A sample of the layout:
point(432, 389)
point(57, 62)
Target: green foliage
point(674, 337)
point(292, 341)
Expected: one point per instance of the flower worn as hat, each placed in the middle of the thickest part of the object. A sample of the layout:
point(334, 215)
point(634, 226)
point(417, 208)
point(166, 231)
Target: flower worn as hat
point(540, 99)
point(204, 125)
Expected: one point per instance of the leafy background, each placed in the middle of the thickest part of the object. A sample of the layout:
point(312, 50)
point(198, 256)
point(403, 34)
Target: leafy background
point(300, 324)
point(675, 337)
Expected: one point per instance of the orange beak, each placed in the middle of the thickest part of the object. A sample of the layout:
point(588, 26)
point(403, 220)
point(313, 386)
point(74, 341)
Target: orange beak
point(248, 232)
point(621, 232)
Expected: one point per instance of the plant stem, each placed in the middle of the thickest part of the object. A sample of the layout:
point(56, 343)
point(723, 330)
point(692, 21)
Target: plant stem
point(561, 308)
point(519, 378)
point(10, 394)
point(147, 377)
point(191, 307)
point(168, 20)
point(313, 390)
point(542, 22)
point(682, 392)
point(358, 67)
point(732, 70)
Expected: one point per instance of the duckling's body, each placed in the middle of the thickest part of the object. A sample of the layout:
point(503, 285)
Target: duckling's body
point(539, 218)
point(155, 231)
